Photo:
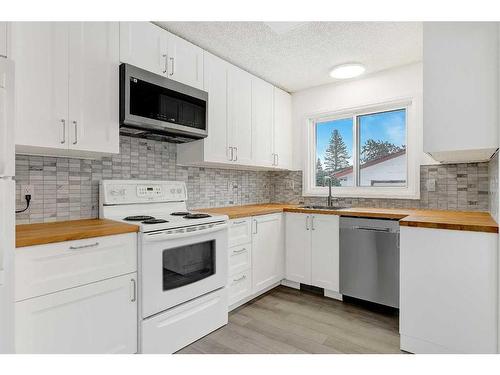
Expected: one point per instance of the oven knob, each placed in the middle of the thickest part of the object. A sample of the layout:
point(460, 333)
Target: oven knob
point(172, 191)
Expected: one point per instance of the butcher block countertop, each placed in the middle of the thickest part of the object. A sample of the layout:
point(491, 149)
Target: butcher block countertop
point(436, 219)
point(44, 233)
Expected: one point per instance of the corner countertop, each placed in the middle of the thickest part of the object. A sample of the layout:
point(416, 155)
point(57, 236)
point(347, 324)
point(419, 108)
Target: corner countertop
point(60, 231)
point(434, 219)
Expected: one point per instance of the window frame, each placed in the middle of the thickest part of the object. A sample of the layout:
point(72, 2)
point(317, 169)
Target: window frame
point(412, 188)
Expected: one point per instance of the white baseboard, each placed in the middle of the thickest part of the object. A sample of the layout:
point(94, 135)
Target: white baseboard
point(332, 294)
point(252, 296)
point(290, 284)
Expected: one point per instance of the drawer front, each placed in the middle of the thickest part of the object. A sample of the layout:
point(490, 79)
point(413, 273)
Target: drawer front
point(96, 318)
point(240, 232)
point(49, 268)
point(240, 258)
point(239, 287)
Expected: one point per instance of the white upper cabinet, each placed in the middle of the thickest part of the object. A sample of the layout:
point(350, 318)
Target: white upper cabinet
point(154, 49)
point(93, 87)
point(66, 87)
point(185, 62)
point(144, 45)
point(282, 129)
point(262, 123)
point(3, 39)
point(240, 115)
point(460, 90)
point(40, 53)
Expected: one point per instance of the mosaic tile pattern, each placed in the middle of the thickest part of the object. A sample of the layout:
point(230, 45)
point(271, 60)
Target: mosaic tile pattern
point(493, 174)
point(68, 188)
point(458, 187)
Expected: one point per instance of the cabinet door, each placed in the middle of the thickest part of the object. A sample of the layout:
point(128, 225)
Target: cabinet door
point(298, 248)
point(262, 123)
point(268, 255)
point(3, 39)
point(325, 252)
point(215, 73)
point(40, 53)
point(94, 318)
point(240, 115)
point(282, 128)
point(144, 45)
point(93, 86)
point(185, 62)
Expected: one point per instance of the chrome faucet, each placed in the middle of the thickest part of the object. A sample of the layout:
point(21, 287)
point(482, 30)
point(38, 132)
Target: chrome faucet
point(330, 199)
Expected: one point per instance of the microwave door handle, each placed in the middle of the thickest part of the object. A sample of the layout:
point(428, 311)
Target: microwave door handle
point(161, 236)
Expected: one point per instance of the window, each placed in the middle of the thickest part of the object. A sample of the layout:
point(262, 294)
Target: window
point(363, 152)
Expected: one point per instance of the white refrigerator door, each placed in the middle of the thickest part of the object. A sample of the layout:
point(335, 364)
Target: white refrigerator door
point(7, 157)
point(7, 246)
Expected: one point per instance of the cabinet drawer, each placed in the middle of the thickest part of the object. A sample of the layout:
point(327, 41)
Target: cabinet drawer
point(96, 318)
point(49, 268)
point(239, 286)
point(240, 231)
point(240, 258)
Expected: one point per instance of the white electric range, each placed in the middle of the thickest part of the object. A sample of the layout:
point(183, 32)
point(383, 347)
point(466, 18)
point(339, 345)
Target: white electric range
point(182, 261)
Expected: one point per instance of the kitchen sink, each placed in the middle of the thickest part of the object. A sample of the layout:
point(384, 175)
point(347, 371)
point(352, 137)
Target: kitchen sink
point(313, 207)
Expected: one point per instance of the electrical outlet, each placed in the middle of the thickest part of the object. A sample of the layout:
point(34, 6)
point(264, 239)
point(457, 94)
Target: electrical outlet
point(27, 190)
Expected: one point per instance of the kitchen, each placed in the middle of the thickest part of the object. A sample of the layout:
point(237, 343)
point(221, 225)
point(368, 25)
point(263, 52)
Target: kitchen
point(165, 189)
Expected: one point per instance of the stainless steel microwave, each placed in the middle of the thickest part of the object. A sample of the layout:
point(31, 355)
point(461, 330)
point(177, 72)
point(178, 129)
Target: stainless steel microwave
point(152, 105)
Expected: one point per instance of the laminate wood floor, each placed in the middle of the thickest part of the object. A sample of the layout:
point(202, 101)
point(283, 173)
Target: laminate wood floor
point(290, 321)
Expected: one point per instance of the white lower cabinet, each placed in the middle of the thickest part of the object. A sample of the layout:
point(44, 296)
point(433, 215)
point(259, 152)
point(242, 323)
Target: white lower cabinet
point(312, 250)
point(99, 317)
point(448, 291)
point(268, 253)
point(239, 286)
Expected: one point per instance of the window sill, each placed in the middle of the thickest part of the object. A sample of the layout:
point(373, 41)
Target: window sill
point(361, 193)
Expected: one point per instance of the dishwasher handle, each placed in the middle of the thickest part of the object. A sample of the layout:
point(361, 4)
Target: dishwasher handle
point(371, 229)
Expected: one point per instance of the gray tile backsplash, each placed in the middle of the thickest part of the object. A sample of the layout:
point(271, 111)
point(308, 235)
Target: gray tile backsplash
point(68, 188)
point(493, 174)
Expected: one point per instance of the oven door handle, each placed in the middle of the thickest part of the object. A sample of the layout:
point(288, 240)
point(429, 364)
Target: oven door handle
point(162, 236)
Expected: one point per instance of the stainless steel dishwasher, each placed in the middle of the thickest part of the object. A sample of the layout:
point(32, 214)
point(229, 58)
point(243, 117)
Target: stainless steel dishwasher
point(369, 260)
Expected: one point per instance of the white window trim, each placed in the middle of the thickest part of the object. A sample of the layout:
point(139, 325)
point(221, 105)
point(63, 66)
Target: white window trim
point(412, 189)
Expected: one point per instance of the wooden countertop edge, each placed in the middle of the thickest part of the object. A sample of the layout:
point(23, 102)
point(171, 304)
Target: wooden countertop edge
point(410, 218)
point(47, 233)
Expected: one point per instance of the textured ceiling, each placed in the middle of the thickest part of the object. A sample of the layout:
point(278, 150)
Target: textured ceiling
point(300, 55)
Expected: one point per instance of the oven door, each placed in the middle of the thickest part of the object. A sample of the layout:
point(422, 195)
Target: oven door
point(181, 264)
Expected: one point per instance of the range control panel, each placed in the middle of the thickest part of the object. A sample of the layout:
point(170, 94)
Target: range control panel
point(125, 192)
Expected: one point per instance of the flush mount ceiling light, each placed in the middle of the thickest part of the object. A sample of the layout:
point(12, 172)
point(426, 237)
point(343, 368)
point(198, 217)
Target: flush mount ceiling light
point(349, 70)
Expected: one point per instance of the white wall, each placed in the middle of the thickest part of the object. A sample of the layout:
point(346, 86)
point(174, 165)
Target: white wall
point(397, 83)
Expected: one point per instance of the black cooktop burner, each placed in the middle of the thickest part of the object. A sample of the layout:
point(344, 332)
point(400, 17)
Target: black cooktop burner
point(155, 221)
point(196, 216)
point(179, 213)
point(139, 218)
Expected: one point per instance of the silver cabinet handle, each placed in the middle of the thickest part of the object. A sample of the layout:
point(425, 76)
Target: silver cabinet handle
point(240, 251)
point(307, 222)
point(312, 223)
point(277, 159)
point(76, 132)
point(239, 222)
point(239, 279)
point(63, 123)
point(134, 290)
point(256, 226)
point(83, 246)
point(231, 153)
point(172, 64)
point(236, 153)
point(165, 67)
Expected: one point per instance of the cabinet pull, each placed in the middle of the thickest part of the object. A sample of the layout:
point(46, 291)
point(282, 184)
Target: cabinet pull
point(277, 159)
point(307, 222)
point(63, 123)
point(172, 64)
point(84, 246)
point(230, 154)
point(134, 290)
point(312, 223)
point(165, 67)
point(76, 132)
point(256, 229)
point(236, 153)
point(240, 251)
point(239, 222)
point(239, 279)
